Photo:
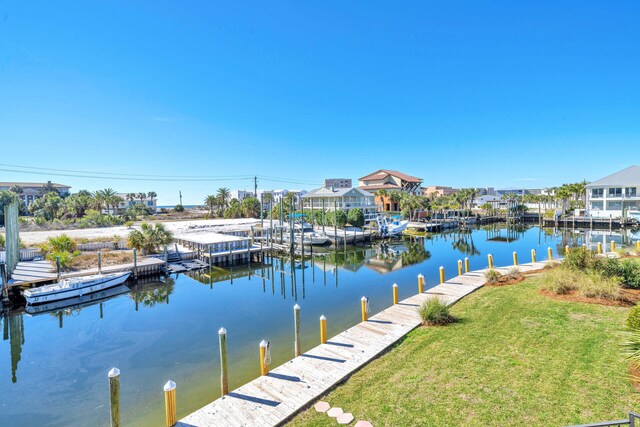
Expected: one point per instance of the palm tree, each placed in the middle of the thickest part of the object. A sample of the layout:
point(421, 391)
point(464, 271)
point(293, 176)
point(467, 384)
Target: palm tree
point(131, 197)
point(211, 201)
point(152, 195)
point(223, 198)
point(16, 189)
point(149, 238)
point(115, 202)
point(142, 196)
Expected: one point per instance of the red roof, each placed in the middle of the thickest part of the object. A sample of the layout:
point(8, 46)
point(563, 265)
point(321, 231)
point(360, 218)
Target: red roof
point(382, 173)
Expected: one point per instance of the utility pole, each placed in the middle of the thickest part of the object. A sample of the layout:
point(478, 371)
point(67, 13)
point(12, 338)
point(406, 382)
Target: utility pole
point(255, 187)
point(180, 191)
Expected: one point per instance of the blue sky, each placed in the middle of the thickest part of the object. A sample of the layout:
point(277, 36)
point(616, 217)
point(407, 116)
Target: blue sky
point(460, 93)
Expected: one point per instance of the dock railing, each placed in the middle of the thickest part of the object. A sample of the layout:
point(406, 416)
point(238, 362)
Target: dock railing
point(632, 421)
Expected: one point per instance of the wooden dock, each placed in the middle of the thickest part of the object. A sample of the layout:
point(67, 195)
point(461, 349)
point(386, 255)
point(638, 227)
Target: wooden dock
point(274, 398)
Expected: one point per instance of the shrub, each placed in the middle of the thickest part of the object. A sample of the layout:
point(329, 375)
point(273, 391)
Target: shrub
point(590, 284)
point(492, 276)
point(579, 258)
point(128, 224)
point(65, 257)
point(355, 217)
point(178, 208)
point(633, 319)
point(629, 273)
point(58, 244)
point(632, 346)
point(435, 312)
point(513, 273)
point(2, 241)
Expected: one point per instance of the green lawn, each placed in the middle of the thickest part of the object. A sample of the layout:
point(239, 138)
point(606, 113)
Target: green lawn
point(516, 358)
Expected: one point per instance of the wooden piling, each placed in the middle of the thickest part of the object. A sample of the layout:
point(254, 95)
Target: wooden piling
point(533, 255)
point(420, 283)
point(114, 396)
point(395, 293)
point(135, 263)
point(515, 258)
point(99, 261)
point(264, 357)
point(323, 329)
point(441, 274)
point(297, 345)
point(459, 267)
point(490, 259)
point(550, 253)
point(466, 264)
point(364, 303)
point(224, 373)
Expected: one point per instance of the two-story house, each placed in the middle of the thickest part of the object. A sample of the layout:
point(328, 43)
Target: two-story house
point(614, 195)
point(343, 199)
point(390, 181)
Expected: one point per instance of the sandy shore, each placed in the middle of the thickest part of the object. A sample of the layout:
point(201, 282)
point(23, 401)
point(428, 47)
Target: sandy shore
point(31, 238)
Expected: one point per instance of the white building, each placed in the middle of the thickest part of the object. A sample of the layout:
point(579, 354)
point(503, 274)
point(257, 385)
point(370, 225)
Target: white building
point(342, 199)
point(33, 190)
point(148, 202)
point(614, 195)
point(280, 194)
point(338, 183)
point(240, 195)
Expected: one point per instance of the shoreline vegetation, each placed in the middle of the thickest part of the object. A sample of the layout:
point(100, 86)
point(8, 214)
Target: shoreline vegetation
point(514, 355)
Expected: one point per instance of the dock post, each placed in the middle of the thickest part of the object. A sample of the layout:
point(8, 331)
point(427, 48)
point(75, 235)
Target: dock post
point(466, 264)
point(420, 283)
point(224, 374)
point(638, 245)
point(567, 249)
point(515, 258)
point(166, 257)
point(613, 246)
point(533, 255)
point(599, 247)
point(550, 253)
point(99, 261)
point(297, 346)
point(135, 263)
point(114, 396)
point(441, 274)
point(323, 329)
point(265, 357)
point(170, 403)
point(364, 304)
point(459, 267)
point(58, 267)
point(395, 293)
point(490, 259)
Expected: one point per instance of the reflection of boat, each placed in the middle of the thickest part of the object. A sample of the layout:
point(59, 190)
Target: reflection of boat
point(74, 287)
point(77, 303)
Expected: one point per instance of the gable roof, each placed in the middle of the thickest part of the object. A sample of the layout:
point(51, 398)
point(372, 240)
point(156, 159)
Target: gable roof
point(336, 192)
point(629, 176)
point(382, 173)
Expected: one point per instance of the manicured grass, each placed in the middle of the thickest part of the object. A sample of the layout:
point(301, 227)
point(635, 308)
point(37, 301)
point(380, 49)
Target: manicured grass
point(515, 358)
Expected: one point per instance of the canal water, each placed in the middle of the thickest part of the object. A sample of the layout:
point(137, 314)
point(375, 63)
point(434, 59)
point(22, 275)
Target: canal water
point(53, 365)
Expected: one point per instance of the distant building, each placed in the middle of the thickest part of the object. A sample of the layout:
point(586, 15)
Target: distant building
point(338, 183)
point(521, 191)
point(240, 195)
point(614, 195)
point(390, 181)
point(148, 202)
point(33, 190)
point(437, 191)
point(343, 199)
point(279, 195)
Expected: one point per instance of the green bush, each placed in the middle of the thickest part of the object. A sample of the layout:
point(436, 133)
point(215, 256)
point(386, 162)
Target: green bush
point(633, 318)
point(580, 258)
point(590, 284)
point(2, 241)
point(65, 257)
point(435, 312)
point(355, 217)
point(492, 276)
point(178, 208)
point(513, 273)
point(629, 273)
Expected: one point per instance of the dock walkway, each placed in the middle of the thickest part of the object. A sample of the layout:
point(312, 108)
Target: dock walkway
point(273, 399)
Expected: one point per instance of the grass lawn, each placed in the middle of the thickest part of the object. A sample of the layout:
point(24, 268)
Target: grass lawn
point(516, 358)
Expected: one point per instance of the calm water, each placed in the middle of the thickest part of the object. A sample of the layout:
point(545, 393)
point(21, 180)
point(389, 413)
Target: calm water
point(54, 365)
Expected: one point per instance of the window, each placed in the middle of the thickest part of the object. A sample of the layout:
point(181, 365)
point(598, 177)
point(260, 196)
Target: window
point(615, 192)
point(630, 192)
point(614, 206)
point(597, 193)
point(596, 206)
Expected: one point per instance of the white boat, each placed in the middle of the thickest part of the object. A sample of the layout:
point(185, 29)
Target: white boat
point(77, 303)
point(311, 238)
point(390, 228)
point(74, 287)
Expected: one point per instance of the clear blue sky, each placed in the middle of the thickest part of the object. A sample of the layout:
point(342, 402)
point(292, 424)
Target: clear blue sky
point(460, 93)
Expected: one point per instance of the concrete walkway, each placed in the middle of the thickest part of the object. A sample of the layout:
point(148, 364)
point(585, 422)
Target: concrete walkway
point(273, 399)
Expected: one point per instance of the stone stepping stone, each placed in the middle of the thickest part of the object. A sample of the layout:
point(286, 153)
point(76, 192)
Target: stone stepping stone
point(322, 407)
point(361, 423)
point(345, 418)
point(334, 412)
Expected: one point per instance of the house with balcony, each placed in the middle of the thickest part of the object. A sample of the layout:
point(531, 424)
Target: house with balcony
point(614, 195)
point(391, 182)
point(130, 199)
point(33, 190)
point(343, 199)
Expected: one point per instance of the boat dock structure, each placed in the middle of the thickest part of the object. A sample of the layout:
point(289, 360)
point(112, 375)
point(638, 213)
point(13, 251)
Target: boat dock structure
point(279, 394)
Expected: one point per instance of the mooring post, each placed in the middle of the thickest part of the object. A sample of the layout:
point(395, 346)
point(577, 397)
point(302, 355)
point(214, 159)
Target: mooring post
point(135, 263)
point(550, 253)
point(297, 346)
point(170, 403)
point(364, 303)
point(613, 246)
point(490, 259)
point(114, 396)
point(99, 261)
point(566, 250)
point(58, 267)
point(599, 247)
point(638, 245)
point(166, 257)
point(264, 357)
point(459, 267)
point(323, 329)
point(441, 274)
point(420, 283)
point(224, 374)
point(466, 264)
point(533, 255)
point(395, 293)
point(515, 258)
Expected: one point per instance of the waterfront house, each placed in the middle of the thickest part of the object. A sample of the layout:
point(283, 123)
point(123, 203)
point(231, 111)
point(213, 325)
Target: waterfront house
point(391, 181)
point(614, 195)
point(437, 191)
point(33, 190)
point(343, 199)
